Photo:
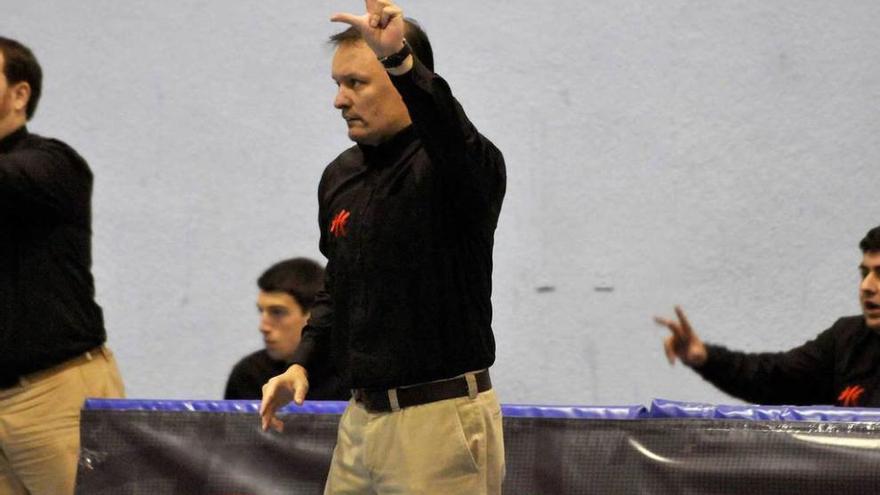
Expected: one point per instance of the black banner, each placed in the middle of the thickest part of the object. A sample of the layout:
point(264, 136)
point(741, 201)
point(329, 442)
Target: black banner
point(226, 453)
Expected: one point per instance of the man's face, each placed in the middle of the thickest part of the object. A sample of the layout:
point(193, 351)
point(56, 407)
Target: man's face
point(869, 289)
point(5, 93)
point(281, 322)
point(13, 101)
point(371, 106)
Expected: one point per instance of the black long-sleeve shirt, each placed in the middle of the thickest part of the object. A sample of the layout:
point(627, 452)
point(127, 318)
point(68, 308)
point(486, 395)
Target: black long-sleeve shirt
point(253, 371)
point(47, 309)
point(841, 366)
point(408, 230)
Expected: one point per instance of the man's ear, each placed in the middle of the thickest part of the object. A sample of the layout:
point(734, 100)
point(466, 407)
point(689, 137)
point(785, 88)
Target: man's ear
point(21, 95)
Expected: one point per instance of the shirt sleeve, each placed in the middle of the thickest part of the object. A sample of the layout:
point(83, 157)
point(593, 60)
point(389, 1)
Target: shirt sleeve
point(800, 376)
point(43, 179)
point(314, 343)
point(473, 167)
point(313, 346)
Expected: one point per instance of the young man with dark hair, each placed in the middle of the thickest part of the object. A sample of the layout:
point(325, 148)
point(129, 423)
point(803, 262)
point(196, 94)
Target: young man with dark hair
point(407, 220)
point(841, 366)
point(287, 291)
point(51, 329)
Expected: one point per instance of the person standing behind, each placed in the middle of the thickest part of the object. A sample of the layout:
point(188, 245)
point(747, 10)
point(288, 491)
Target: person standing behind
point(407, 220)
point(287, 291)
point(51, 329)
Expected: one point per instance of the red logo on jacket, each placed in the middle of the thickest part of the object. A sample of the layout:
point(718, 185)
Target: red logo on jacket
point(337, 226)
point(850, 396)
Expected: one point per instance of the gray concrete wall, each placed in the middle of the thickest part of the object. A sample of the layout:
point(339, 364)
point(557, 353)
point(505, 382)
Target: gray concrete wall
point(721, 155)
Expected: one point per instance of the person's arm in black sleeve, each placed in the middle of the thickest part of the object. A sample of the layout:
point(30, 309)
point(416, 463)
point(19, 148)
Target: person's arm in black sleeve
point(314, 342)
point(472, 166)
point(458, 151)
point(314, 345)
point(293, 384)
point(800, 376)
point(49, 178)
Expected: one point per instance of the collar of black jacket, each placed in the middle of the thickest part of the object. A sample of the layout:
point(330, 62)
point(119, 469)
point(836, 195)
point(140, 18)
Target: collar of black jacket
point(11, 140)
point(389, 151)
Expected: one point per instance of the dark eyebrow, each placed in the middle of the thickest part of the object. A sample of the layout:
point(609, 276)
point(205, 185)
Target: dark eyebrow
point(349, 75)
point(276, 306)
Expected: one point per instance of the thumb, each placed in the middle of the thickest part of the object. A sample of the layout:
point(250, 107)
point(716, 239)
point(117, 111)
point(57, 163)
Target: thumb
point(351, 19)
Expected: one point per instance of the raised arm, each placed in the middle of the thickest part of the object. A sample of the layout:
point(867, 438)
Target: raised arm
point(800, 376)
point(682, 343)
point(473, 168)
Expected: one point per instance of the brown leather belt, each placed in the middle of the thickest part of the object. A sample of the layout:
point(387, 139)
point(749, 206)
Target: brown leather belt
point(380, 400)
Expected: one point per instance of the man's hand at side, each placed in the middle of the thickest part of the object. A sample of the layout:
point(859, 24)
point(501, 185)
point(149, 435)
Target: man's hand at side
point(292, 385)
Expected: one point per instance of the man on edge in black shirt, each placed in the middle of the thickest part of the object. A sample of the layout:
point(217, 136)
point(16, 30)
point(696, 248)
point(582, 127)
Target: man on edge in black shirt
point(840, 366)
point(51, 330)
point(407, 219)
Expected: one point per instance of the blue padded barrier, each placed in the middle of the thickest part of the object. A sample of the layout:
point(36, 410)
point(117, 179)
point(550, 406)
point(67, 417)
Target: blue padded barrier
point(337, 407)
point(221, 406)
point(574, 412)
point(661, 408)
point(132, 447)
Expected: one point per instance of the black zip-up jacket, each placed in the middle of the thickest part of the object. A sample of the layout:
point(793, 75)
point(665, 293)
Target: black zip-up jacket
point(47, 309)
point(408, 230)
point(841, 366)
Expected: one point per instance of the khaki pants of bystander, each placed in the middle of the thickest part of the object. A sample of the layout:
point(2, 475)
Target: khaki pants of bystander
point(39, 423)
point(453, 446)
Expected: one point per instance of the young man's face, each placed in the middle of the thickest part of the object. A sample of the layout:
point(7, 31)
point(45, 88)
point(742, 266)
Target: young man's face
point(869, 289)
point(5, 94)
point(13, 100)
point(281, 322)
point(371, 106)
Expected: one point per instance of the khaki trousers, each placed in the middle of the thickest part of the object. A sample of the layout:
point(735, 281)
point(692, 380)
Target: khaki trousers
point(449, 447)
point(39, 423)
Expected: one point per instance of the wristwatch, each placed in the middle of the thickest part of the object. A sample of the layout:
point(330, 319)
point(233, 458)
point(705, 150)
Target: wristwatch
point(395, 59)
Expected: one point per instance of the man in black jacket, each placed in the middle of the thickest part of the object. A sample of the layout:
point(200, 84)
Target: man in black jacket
point(287, 292)
point(407, 220)
point(51, 330)
point(840, 366)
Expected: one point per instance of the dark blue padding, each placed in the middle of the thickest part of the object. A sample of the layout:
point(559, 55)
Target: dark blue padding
point(575, 412)
point(223, 406)
point(661, 408)
point(336, 407)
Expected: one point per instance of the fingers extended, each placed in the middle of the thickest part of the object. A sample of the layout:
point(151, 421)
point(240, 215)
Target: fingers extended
point(669, 349)
point(351, 19)
point(673, 327)
point(683, 319)
point(389, 13)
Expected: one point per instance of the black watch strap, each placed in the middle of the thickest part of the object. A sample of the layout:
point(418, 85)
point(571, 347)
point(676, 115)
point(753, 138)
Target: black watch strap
point(395, 59)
